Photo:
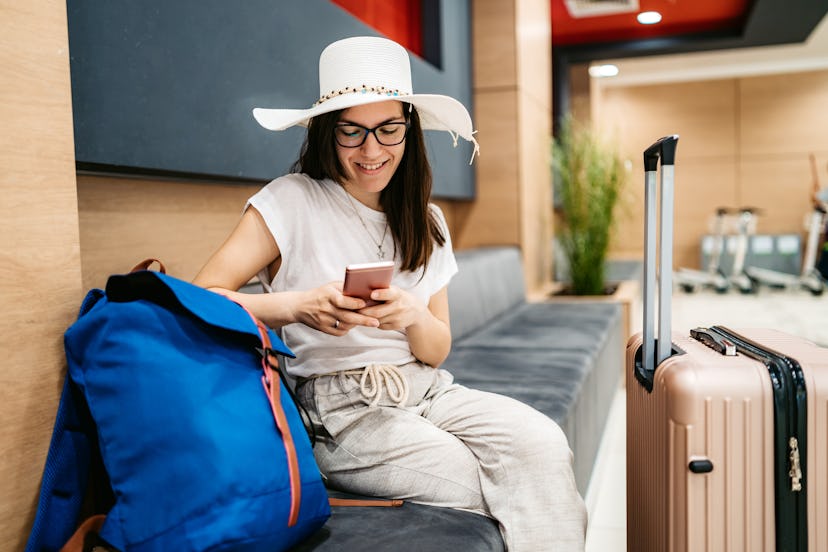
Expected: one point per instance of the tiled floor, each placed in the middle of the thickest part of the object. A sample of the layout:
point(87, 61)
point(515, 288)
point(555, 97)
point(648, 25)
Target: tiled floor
point(796, 312)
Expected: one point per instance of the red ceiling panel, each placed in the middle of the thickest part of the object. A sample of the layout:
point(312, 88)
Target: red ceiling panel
point(679, 17)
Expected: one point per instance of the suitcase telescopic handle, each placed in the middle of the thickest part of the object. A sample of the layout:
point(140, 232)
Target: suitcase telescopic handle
point(664, 150)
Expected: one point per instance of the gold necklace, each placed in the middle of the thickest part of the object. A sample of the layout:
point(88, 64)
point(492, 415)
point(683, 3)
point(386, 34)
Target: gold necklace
point(380, 251)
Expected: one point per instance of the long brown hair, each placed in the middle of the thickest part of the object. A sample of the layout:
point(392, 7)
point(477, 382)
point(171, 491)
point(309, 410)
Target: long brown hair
point(404, 200)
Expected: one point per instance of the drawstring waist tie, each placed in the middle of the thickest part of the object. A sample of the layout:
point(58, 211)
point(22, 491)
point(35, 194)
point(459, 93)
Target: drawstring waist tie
point(372, 378)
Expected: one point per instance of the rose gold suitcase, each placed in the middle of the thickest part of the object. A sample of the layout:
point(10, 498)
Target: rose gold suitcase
point(727, 431)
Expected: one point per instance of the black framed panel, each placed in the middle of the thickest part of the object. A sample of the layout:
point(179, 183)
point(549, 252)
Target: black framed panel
point(166, 87)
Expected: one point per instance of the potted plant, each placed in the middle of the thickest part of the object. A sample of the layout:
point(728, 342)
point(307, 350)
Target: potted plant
point(588, 178)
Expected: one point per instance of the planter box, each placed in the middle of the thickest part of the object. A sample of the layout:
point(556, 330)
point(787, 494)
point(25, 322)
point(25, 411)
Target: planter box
point(627, 274)
point(627, 292)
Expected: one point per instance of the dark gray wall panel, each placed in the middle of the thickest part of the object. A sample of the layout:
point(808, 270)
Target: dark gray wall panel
point(167, 86)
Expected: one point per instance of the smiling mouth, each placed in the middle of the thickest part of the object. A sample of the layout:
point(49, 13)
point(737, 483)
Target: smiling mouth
point(371, 166)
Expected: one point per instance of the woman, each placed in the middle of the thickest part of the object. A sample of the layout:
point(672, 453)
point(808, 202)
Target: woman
point(391, 423)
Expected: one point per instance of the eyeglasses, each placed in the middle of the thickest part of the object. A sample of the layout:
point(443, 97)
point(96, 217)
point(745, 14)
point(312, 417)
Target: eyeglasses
point(349, 135)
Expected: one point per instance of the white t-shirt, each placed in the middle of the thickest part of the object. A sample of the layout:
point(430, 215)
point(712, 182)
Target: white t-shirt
point(319, 234)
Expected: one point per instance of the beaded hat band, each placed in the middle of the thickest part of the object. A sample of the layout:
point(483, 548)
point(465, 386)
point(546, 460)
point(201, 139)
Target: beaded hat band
point(381, 90)
point(362, 70)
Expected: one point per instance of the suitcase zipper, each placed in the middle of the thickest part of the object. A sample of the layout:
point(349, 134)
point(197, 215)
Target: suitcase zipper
point(790, 426)
point(795, 473)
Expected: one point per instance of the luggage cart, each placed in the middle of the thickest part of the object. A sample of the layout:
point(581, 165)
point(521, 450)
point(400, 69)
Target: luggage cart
point(809, 277)
point(689, 279)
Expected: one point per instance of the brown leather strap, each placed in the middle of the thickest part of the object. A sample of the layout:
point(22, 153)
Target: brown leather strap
point(272, 388)
point(91, 525)
point(146, 263)
point(363, 502)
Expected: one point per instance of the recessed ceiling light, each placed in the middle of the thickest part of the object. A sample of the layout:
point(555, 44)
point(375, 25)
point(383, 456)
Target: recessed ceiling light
point(649, 17)
point(603, 71)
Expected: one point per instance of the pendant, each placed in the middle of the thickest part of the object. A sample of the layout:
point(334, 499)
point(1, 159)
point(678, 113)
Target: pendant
point(380, 252)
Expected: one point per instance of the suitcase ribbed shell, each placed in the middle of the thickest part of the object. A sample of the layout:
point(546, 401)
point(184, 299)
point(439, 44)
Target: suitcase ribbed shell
point(708, 406)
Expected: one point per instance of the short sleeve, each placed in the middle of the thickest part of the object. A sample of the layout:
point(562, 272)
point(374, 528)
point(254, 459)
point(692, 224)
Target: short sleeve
point(280, 203)
point(442, 266)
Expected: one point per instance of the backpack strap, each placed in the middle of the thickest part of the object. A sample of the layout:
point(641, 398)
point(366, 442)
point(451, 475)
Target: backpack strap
point(87, 530)
point(73, 451)
point(335, 501)
point(272, 388)
point(146, 263)
point(66, 473)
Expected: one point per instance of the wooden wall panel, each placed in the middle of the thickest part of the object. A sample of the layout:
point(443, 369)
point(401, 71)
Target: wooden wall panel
point(781, 187)
point(535, 189)
point(702, 185)
point(493, 45)
point(534, 62)
point(744, 142)
point(123, 221)
point(492, 218)
point(696, 198)
point(533, 43)
point(783, 122)
point(704, 114)
point(784, 114)
point(580, 101)
point(40, 286)
point(512, 98)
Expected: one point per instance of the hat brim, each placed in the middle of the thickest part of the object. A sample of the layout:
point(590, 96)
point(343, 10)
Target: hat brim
point(437, 112)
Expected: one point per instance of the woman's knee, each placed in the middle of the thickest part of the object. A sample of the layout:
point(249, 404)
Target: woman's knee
point(551, 447)
point(534, 434)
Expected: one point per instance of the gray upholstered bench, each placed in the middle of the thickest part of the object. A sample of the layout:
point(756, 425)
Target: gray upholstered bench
point(564, 359)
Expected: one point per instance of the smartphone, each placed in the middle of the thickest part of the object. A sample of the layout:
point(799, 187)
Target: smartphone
point(361, 279)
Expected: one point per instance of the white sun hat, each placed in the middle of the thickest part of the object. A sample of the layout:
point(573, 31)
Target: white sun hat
point(366, 69)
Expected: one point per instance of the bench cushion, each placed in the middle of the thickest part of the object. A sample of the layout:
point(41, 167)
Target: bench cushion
point(548, 381)
point(408, 528)
point(552, 326)
point(563, 359)
point(489, 283)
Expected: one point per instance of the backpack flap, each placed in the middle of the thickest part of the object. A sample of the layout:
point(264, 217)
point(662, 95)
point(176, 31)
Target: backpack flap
point(173, 380)
point(171, 292)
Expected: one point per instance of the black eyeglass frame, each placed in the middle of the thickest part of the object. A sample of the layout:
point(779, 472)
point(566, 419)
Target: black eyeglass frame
point(367, 131)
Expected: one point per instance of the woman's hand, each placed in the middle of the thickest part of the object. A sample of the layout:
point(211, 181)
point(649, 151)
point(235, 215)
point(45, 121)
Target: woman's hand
point(398, 309)
point(426, 326)
point(327, 310)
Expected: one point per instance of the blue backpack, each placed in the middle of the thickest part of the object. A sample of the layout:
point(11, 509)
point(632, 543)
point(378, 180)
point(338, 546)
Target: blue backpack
point(173, 392)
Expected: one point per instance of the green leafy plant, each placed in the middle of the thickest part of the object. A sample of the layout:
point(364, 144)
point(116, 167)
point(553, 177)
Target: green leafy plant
point(588, 178)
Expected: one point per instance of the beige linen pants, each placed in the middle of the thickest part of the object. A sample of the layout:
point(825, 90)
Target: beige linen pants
point(411, 433)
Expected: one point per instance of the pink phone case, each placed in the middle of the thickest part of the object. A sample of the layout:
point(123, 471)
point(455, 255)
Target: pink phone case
point(362, 279)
